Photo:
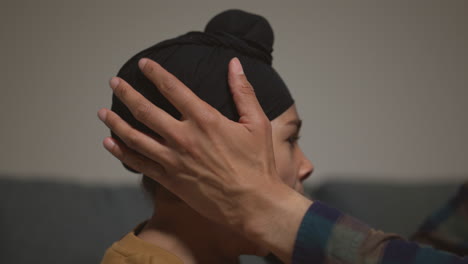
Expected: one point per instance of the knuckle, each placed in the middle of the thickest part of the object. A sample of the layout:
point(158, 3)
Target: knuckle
point(114, 122)
point(172, 163)
point(246, 88)
point(169, 85)
point(135, 163)
point(124, 159)
point(121, 91)
point(156, 171)
point(133, 139)
point(186, 143)
point(210, 119)
point(139, 163)
point(111, 121)
point(178, 138)
point(264, 123)
point(142, 111)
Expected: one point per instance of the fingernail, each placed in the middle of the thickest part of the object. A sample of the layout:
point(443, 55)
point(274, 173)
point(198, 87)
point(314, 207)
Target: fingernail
point(114, 82)
point(237, 66)
point(102, 114)
point(108, 143)
point(142, 63)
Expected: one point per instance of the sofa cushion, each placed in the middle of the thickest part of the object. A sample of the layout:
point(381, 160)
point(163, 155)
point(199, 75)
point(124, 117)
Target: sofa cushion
point(48, 222)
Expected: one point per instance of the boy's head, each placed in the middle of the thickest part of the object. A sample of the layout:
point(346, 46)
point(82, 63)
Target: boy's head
point(200, 60)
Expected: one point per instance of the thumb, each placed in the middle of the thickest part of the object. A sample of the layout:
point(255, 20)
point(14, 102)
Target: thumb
point(247, 105)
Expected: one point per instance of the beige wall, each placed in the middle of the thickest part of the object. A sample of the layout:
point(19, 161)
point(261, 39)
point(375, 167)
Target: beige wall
point(382, 87)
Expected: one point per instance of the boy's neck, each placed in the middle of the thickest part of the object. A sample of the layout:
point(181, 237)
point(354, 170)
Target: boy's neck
point(180, 230)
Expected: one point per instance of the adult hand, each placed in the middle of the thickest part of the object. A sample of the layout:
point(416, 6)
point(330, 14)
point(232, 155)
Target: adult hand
point(223, 169)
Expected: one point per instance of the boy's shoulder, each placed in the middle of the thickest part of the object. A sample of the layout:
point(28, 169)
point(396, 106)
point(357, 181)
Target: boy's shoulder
point(133, 250)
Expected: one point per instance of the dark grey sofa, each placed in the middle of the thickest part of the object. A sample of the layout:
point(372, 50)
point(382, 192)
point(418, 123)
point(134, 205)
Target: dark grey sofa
point(51, 222)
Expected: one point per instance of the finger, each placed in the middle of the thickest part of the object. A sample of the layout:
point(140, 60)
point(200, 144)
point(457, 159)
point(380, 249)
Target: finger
point(243, 94)
point(189, 104)
point(142, 109)
point(136, 161)
point(135, 139)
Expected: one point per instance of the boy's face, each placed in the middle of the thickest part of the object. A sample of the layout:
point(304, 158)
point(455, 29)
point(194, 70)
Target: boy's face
point(292, 166)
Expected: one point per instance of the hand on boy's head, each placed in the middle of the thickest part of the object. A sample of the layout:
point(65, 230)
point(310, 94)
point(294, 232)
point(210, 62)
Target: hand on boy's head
point(209, 161)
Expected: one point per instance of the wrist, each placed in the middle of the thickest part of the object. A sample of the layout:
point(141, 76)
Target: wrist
point(273, 216)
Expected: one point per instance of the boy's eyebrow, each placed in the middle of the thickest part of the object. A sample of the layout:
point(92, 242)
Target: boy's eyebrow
point(295, 122)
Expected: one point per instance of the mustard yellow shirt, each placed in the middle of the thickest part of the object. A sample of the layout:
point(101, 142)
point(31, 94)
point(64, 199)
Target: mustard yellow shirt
point(134, 250)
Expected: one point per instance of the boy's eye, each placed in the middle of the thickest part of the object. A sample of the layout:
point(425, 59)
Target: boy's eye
point(293, 139)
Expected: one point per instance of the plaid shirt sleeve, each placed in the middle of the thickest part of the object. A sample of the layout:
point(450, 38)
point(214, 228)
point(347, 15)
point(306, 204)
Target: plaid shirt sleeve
point(328, 236)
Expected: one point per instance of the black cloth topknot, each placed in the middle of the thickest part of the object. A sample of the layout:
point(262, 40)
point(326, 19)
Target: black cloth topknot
point(200, 60)
point(251, 28)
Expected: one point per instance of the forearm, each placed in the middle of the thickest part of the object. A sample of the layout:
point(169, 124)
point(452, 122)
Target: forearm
point(298, 230)
point(328, 236)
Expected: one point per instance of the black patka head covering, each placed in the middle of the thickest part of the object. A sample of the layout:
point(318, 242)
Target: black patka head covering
point(200, 60)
